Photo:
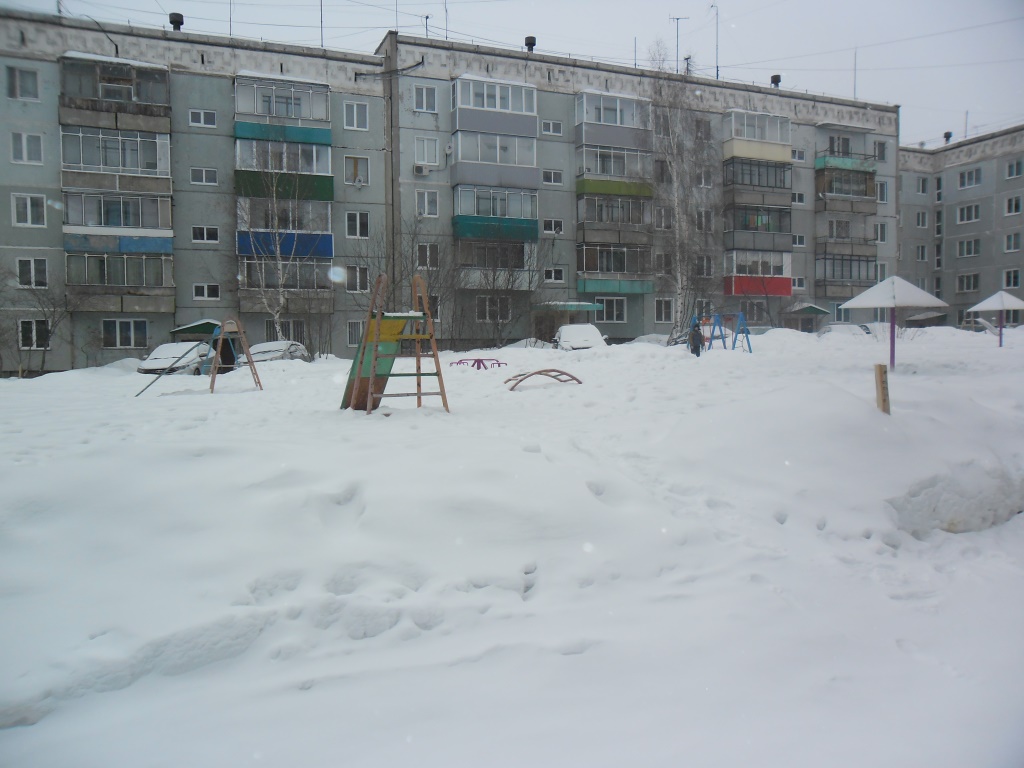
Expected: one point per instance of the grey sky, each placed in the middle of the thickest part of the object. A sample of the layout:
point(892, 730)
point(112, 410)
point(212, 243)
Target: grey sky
point(946, 62)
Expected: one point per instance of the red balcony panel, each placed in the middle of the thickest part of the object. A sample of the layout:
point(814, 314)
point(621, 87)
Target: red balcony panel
point(751, 285)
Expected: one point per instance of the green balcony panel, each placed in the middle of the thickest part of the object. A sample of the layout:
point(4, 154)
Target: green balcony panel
point(862, 164)
point(290, 133)
point(494, 228)
point(284, 186)
point(612, 187)
point(609, 285)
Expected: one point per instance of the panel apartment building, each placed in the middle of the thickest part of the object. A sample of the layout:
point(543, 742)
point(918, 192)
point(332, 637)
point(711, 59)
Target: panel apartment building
point(961, 220)
point(158, 178)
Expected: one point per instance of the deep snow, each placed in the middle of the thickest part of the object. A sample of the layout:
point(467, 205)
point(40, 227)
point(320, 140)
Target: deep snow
point(732, 560)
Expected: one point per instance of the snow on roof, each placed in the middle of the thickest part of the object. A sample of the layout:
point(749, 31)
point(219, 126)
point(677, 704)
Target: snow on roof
point(997, 302)
point(250, 73)
point(893, 292)
point(520, 83)
point(112, 60)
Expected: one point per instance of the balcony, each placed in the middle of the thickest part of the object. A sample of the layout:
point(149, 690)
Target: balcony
point(297, 301)
point(744, 240)
point(614, 269)
point(858, 247)
point(847, 161)
point(284, 186)
point(302, 245)
point(757, 285)
point(132, 299)
point(495, 228)
point(757, 136)
point(838, 276)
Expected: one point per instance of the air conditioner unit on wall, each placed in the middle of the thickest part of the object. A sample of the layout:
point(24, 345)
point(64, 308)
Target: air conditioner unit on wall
point(420, 170)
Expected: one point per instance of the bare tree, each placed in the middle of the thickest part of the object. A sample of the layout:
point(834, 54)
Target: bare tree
point(687, 170)
point(41, 312)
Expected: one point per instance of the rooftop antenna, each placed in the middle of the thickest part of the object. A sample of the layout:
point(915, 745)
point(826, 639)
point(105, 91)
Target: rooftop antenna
point(715, 6)
point(677, 19)
point(321, 23)
point(445, 19)
point(426, 29)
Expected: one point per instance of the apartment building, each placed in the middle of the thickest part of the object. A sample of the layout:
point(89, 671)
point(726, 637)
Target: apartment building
point(159, 178)
point(961, 220)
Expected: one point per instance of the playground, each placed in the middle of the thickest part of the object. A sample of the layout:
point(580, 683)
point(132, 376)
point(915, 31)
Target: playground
point(736, 560)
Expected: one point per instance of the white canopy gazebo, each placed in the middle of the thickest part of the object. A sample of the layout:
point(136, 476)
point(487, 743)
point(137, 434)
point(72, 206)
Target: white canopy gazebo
point(1000, 303)
point(893, 293)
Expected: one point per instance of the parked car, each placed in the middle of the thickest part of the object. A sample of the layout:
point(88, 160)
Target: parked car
point(848, 329)
point(276, 350)
point(164, 359)
point(579, 336)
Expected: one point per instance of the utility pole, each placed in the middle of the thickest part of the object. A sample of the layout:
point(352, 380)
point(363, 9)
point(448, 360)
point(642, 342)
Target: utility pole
point(677, 19)
point(715, 6)
point(426, 29)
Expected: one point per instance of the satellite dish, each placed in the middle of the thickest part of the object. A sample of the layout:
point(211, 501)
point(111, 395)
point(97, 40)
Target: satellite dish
point(359, 181)
point(449, 149)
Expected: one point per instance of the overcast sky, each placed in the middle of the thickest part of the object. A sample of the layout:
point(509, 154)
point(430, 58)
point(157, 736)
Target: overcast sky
point(946, 62)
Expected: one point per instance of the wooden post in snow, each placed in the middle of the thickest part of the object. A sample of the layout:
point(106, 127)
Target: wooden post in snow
point(882, 388)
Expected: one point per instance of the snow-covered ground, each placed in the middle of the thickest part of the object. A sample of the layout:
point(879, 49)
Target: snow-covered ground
point(735, 560)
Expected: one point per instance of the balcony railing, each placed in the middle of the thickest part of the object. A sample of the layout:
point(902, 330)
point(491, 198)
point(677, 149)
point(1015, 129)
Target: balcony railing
point(850, 161)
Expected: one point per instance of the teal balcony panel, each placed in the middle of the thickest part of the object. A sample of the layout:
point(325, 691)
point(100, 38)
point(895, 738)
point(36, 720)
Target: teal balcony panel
point(291, 133)
point(495, 228)
point(610, 285)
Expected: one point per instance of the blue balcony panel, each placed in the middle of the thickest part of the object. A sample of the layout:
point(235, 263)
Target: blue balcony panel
point(313, 245)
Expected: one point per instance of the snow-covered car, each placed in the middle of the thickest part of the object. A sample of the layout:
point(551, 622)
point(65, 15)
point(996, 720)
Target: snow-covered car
point(276, 350)
point(579, 336)
point(847, 329)
point(164, 359)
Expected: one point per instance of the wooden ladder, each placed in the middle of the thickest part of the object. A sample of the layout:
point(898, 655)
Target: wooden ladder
point(385, 340)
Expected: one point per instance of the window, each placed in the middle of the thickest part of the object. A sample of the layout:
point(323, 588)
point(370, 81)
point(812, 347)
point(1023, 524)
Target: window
point(965, 248)
point(758, 173)
point(971, 178)
point(355, 332)
point(208, 291)
point(281, 99)
point(283, 215)
point(29, 210)
point(551, 177)
point(880, 151)
point(663, 218)
point(499, 149)
point(290, 157)
point(799, 283)
point(937, 287)
point(798, 198)
point(490, 255)
point(839, 314)
point(33, 334)
point(922, 252)
point(205, 234)
point(702, 129)
point(881, 232)
point(968, 213)
point(32, 273)
point(483, 94)
point(553, 226)
point(426, 150)
point(922, 219)
point(705, 220)
point(840, 146)
point(427, 256)
point(967, 283)
point(882, 272)
point(938, 189)
point(500, 203)
point(754, 310)
point(704, 178)
point(554, 275)
point(839, 229)
point(357, 170)
point(662, 264)
point(613, 310)
point(1012, 244)
point(1014, 169)
point(798, 155)
point(611, 110)
point(1013, 205)
point(663, 311)
point(202, 118)
point(27, 148)
point(22, 83)
point(938, 255)
point(551, 127)
point(425, 98)
point(291, 330)
point(426, 202)
point(124, 334)
point(882, 191)
point(207, 176)
point(493, 309)
point(938, 223)
point(1011, 278)
point(357, 279)
point(922, 185)
point(799, 241)
point(756, 126)
point(357, 116)
point(148, 270)
point(357, 224)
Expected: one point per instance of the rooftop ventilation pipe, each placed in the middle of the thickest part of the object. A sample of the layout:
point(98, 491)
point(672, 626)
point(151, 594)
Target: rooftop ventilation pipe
point(776, 79)
point(947, 136)
point(531, 42)
point(177, 21)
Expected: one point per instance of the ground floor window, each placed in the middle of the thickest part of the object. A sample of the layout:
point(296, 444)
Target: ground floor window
point(124, 334)
point(33, 334)
point(839, 314)
point(663, 311)
point(291, 330)
point(355, 332)
point(613, 309)
point(753, 311)
point(491, 309)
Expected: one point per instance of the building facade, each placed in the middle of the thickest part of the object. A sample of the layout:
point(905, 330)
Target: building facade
point(158, 178)
point(962, 220)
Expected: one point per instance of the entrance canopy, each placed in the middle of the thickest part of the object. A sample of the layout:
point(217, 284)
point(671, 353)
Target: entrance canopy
point(198, 328)
point(805, 308)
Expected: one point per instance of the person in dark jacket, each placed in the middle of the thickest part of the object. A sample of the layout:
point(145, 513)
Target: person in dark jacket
point(696, 339)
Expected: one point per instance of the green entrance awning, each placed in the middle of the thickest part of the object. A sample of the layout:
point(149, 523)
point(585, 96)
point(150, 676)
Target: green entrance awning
point(804, 308)
point(567, 306)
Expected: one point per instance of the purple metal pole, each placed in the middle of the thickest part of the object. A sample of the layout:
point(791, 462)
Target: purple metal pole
point(892, 339)
point(1000, 327)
